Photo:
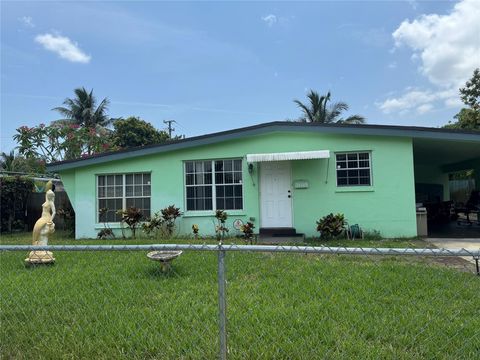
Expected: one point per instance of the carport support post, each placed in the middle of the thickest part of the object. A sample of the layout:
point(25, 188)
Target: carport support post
point(476, 174)
point(222, 303)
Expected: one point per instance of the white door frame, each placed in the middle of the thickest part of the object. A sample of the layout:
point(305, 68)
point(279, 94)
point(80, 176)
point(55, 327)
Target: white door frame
point(280, 201)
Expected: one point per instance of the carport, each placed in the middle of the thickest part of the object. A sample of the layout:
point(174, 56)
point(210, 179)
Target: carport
point(435, 159)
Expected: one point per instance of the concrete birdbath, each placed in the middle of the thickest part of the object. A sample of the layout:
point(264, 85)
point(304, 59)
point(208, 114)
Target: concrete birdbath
point(164, 257)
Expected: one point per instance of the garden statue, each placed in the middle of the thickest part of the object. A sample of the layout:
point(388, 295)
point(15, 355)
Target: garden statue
point(44, 227)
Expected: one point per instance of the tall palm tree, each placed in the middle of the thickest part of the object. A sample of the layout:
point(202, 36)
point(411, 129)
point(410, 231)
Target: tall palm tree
point(318, 111)
point(83, 110)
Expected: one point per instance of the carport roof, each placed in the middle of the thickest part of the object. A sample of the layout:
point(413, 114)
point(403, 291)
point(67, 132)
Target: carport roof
point(417, 133)
point(450, 156)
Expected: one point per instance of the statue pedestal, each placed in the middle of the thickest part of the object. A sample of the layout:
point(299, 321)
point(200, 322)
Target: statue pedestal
point(39, 257)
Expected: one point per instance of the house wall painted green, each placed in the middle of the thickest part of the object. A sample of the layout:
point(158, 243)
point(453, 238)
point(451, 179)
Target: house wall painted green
point(387, 206)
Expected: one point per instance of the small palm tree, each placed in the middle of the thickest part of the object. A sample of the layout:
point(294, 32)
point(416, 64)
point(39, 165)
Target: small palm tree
point(317, 110)
point(14, 163)
point(83, 110)
point(7, 161)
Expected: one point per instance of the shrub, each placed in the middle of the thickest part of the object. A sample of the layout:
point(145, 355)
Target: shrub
point(105, 233)
point(331, 226)
point(220, 229)
point(169, 215)
point(195, 230)
point(132, 217)
point(247, 230)
point(68, 216)
point(372, 235)
point(153, 224)
point(163, 220)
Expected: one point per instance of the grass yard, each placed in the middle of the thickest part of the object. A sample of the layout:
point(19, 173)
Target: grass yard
point(118, 305)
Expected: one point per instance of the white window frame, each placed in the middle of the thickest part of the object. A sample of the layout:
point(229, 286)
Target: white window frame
point(213, 185)
point(124, 193)
point(369, 152)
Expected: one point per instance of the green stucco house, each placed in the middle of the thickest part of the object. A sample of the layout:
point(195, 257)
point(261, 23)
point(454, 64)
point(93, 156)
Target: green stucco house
point(279, 175)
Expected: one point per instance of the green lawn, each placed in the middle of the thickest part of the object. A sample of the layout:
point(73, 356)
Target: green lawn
point(118, 305)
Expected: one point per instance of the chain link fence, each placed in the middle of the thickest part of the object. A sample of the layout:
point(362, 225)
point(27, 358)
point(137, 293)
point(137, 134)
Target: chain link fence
point(240, 302)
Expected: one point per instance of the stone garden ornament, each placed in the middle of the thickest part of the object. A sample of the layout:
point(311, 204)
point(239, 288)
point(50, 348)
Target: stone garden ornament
point(43, 228)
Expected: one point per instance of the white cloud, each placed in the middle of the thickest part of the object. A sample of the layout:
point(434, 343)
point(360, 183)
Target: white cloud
point(421, 100)
point(270, 19)
point(423, 109)
point(64, 47)
point(392, 65)
point(448, 45)
point(446, 49)
point(27, 21)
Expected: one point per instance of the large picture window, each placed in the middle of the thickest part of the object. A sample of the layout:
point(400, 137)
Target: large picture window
point(353, 169)
point(122, 191)
point(214, 185)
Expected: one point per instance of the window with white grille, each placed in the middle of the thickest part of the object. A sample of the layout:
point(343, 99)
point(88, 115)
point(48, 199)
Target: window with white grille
point(122, 191)
point(353, 169)
point(214, 185)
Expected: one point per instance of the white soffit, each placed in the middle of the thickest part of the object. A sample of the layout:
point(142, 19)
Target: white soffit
point(295, 155)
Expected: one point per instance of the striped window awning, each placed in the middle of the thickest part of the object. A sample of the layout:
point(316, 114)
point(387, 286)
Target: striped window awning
point(294, 155)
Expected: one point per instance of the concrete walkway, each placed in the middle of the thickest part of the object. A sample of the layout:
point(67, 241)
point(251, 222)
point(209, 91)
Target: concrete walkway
point(468, 244)
point(279, 240)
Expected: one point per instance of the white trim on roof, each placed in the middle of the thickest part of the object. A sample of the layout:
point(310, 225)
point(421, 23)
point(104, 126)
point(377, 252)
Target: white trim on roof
point(283, 156)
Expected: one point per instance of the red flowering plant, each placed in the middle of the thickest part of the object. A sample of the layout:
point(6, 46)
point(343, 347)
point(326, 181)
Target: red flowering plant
point(59, 142)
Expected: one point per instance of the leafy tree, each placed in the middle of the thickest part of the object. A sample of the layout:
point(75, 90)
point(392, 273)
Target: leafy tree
point(469, 118)
point(133, 131)
point(59, 142)
point(316, 110)
point(83, 110)
point(470, 94)
point(12, 162)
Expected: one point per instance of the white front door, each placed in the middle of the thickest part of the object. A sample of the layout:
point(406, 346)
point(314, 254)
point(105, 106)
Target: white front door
point(275, 194)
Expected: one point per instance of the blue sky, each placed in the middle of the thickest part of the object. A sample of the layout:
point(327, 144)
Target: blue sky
point(213, 66)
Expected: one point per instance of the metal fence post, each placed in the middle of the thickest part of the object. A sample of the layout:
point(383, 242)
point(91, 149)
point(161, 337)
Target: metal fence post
point(222, 303)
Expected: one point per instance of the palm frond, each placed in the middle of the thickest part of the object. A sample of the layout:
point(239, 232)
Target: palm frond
point(64, 111)
point(354, 119)
point(82, 109)
point(334, 111)
point(63, 122)
point(307, 113)
point(339, 106)
point(323, 111)
point(318, 110)
point(7, 161)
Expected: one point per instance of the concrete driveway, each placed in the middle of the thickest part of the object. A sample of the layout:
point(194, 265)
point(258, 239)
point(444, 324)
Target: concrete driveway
point(468, 244)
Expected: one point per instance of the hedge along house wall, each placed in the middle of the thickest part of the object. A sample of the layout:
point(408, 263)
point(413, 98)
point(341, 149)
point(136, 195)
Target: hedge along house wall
point(388, 205)
point(15, 192)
